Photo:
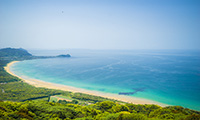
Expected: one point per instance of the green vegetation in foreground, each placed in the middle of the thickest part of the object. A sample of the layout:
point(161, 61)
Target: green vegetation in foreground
point(19, 100)
point(106, 110)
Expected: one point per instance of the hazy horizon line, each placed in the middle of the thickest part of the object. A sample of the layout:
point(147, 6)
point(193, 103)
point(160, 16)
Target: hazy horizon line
point(92, 48)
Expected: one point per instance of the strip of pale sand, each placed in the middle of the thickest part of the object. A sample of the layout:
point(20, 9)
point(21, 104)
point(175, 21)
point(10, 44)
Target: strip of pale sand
point(40, 83)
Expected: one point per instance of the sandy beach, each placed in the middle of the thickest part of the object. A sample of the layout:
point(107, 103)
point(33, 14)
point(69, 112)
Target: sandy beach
point(40, 83)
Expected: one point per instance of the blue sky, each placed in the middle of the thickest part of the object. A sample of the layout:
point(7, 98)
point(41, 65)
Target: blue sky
point(100, 24)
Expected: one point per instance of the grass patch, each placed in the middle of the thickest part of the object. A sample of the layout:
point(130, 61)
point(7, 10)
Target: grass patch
point(53, 99)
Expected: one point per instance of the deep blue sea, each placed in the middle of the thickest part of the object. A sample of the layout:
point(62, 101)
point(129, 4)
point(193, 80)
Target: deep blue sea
point(167, 76)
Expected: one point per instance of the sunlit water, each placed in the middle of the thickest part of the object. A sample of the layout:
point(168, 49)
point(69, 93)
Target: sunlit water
point(170, 77)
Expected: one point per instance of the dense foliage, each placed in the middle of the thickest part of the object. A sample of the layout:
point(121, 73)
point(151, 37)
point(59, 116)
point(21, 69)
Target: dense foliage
point(106, 110)
point(19, 100)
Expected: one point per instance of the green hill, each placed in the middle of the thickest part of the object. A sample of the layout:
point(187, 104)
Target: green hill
point(13, 52)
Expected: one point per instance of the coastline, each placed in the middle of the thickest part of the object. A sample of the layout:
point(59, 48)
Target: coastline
point(40, 83)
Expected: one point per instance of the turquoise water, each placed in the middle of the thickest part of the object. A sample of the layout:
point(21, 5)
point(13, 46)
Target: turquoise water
point(169, 77)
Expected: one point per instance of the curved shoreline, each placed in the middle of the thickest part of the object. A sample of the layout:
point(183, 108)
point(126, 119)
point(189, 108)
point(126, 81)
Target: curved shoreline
point(40, 83)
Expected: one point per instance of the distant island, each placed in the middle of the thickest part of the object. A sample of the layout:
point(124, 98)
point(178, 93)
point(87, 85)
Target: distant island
point(67, 55)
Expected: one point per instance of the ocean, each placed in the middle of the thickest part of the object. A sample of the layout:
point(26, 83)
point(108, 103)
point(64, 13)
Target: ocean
point(167, 76)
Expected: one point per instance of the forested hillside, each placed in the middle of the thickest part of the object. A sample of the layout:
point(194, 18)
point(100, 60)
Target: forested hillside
point(7, 52)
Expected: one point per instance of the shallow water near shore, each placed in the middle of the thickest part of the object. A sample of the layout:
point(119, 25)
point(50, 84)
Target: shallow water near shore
point(166, 76)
